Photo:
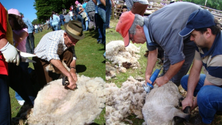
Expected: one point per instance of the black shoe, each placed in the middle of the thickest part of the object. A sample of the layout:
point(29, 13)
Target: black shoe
point(196, 120)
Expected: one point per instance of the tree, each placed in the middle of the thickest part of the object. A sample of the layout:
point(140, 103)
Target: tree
point(45, 7)
point(35, 21)
point(210, 3)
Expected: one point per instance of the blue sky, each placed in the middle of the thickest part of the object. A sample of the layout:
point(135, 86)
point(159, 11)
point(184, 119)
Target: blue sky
point(24, 6)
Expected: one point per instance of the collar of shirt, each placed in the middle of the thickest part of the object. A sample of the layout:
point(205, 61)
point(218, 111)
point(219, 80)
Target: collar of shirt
point(148, 40)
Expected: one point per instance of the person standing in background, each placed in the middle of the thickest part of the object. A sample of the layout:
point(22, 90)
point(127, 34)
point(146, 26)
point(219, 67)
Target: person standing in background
point(54, 21)
point(100, 20)
point(30, 39)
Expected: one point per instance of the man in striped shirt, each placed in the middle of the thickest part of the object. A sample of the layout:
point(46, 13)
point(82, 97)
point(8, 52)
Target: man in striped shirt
point(55, 47)
point(204, 30)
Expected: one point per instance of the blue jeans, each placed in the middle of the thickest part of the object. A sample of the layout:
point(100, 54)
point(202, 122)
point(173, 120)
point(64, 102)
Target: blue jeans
point(209, 98)
point(108, 12)
point(101, 19)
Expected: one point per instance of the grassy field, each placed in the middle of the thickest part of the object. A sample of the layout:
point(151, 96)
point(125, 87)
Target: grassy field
point(90, 62)
point(111, 34)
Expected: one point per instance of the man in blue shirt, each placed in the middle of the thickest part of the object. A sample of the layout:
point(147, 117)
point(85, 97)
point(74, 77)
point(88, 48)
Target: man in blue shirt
point(205, 31)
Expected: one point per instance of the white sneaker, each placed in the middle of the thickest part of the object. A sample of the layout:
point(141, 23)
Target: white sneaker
point(21, 102)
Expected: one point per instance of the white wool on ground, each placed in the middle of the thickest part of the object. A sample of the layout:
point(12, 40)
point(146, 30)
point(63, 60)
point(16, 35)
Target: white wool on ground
point(56, 105)
point(117, 53)
point(124, 101)
point(160, 106)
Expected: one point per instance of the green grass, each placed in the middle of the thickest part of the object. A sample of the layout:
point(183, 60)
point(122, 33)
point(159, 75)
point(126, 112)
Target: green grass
point(90, 62)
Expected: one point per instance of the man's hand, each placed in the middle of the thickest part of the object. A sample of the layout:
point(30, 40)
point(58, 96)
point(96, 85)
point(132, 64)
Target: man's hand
point(161, 81)
point(188, 101)
point(72, 83)
point(10, 54)
point(147, 79)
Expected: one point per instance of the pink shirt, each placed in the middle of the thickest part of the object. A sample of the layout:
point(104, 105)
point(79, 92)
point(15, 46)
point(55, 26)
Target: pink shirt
point(21, 45)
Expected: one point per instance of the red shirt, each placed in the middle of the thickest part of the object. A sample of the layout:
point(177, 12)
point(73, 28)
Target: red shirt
point(3, 30)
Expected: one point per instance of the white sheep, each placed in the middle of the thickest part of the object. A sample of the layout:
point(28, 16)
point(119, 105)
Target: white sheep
point(55, 105)
point(160, 105)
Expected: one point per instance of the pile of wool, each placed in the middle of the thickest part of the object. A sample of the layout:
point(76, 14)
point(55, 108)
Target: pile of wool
point(55, 105)
point(161, 105)
point(122, 57)
point(124, 101)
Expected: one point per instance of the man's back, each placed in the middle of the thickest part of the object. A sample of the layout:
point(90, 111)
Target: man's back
point(171, 18)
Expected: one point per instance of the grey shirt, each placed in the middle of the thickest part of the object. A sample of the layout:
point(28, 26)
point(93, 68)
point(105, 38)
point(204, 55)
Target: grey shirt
point(164, 26)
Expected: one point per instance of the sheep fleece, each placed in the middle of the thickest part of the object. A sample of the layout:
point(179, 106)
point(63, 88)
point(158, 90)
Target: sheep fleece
point(160, 105)
point(55, 105)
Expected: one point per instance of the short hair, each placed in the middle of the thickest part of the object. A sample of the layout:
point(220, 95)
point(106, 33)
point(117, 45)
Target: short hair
point(215, 29)
point(139, 20)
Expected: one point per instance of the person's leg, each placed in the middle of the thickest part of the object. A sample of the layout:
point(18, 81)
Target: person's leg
point(24, 67)
point(5, 106)
point(80, 19)
point(108, 13)
point(27, 45)
point(67, 56)
point(101, 21)
point(98, 22)
point(42, 75)
point(21, 83)
point(209, 100)
point(184, 82)
point(32, 44)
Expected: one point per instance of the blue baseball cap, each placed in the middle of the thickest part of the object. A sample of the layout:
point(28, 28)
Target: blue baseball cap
point(198, 19)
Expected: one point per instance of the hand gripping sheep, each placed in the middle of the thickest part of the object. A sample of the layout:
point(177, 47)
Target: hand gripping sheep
point(149, 86)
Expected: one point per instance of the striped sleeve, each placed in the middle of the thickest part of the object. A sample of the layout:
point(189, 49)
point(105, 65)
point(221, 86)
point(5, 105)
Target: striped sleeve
point(214, 68)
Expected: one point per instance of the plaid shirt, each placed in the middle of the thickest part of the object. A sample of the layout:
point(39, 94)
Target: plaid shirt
point(51, 46)
point(90, 6)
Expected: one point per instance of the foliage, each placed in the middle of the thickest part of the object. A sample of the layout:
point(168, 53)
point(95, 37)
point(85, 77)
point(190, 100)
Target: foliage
point(45, 7)
point(210, 3)
point(35, 21)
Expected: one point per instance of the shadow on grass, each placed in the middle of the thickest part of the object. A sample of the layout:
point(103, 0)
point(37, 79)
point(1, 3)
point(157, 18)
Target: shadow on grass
point(92, 33)
point(80, 68)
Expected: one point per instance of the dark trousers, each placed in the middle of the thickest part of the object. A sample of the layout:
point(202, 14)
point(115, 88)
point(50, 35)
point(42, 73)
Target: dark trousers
point(5, 106)
point(20, 81)
point(44, 76)
point(30, 43)
point(101, 19)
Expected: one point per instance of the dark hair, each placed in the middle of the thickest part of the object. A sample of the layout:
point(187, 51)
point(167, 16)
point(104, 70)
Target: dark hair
point(18, 22)
point(215, 29)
